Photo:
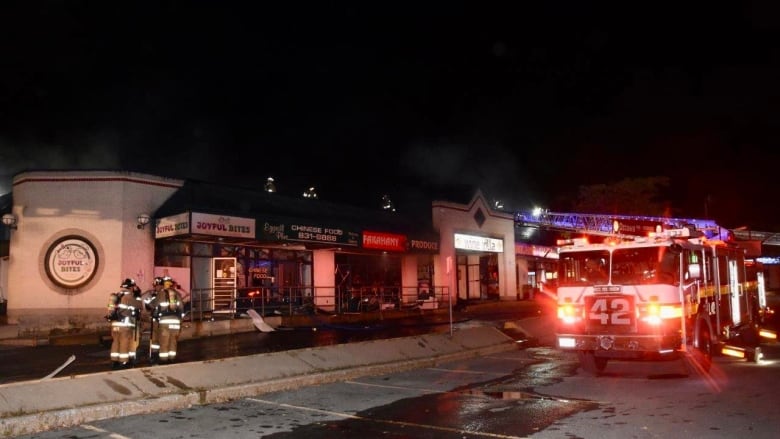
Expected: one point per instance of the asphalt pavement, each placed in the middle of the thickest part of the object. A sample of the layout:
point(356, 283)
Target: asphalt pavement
point(38, 405)
point(55, 385)
point(21, 360)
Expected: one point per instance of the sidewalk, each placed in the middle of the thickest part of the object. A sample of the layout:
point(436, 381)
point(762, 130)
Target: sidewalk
point(9, 334)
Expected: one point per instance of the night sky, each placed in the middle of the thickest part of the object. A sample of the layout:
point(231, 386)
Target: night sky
point(420, 100)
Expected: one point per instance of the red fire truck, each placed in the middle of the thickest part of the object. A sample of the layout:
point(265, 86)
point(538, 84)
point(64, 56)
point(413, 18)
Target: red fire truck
point(653, 297)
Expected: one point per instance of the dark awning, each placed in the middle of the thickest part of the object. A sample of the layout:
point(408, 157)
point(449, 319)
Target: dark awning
point(284, 220)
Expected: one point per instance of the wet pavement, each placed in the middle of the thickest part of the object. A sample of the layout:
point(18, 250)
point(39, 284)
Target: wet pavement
point(487, 408)
point(91, 356)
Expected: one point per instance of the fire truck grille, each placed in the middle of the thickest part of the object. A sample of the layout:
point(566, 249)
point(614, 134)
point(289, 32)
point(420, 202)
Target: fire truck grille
point(610, 314)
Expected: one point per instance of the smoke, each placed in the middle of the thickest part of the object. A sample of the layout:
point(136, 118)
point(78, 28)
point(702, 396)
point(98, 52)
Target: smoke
point(96, 153)
point(496, 171)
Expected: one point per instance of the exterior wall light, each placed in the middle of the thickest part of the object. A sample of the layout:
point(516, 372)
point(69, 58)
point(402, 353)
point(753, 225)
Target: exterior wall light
point(143, 219)
point(270, 186)
point(10, 220)
point(387, 203)
point(310, 193)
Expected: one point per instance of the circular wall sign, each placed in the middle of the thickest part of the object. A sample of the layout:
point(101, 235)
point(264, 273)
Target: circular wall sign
point(71, 261)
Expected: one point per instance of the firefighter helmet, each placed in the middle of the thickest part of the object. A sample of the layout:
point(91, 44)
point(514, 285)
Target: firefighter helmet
point(157, 281)
point(128, 283)
point(167, 282)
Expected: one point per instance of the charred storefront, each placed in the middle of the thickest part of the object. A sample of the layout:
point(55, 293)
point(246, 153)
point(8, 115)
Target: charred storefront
point(77, 234)
point(278, 256)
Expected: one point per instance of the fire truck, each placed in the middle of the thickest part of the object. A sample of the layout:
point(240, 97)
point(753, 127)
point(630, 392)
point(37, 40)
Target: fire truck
point(668, 294)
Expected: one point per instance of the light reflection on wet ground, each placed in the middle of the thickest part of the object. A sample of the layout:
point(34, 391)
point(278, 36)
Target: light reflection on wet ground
point(27, 363)
point(504, 407)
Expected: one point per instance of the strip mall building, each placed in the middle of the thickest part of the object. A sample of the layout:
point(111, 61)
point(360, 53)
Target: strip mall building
point(70, 238)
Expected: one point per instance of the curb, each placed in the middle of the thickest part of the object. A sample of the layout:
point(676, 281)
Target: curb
point(29, 423)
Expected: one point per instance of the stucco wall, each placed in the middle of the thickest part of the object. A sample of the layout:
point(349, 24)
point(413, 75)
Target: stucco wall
point(324, 266)
point(100, 207)
point(450, 218)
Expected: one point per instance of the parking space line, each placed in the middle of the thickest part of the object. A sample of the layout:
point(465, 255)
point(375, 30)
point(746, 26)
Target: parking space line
point(100, 430)
point(512, 358)
point(473, 372)
point(385, 386)
point(386, 421)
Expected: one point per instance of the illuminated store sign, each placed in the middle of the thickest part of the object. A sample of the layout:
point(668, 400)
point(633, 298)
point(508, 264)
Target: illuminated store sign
point(222, 225)
point(172, 225)
point(292, 230)
point(539, 251)
point(478, 243)
point(418, 245)
point(71, 261)
point(384, 241)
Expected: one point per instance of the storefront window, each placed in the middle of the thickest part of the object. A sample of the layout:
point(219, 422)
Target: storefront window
point(281, 273)
point(366, 271)
point(201, 249)
point(172, 254)
point(425, 276)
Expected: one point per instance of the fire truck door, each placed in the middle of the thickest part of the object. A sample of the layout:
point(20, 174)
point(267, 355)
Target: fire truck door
point(734, 293)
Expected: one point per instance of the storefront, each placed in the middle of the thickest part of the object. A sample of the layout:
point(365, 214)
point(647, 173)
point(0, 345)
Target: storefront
point(476, 260)
point(537, 269)
point(78, 234)
point(278, 253)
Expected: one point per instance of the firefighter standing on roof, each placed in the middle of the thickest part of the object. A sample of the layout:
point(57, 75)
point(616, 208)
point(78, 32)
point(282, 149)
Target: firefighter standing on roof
point(169, 309)
point(123, 312)
point(151, 300)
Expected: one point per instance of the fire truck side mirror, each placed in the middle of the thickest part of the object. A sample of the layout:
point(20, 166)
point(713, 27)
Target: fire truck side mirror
point(694, 271)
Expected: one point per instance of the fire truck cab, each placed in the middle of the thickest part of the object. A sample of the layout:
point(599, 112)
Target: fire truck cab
point(666, 294)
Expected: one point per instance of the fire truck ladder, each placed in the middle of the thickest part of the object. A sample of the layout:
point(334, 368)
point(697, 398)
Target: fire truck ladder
point(603, 224)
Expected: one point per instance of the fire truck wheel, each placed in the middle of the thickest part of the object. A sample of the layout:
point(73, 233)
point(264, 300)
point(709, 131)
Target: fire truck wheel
point(754, 355)
point(702, 352)
point(590, 363)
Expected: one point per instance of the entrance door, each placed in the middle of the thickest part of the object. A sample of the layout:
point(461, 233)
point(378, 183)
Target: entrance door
point(224, 284)
point(474, 284)
point(488, 270)
point(469, 281)
point(462, 290)
point(290, 277)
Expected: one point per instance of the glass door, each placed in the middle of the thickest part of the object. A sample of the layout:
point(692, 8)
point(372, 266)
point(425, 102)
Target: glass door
point(224, 284)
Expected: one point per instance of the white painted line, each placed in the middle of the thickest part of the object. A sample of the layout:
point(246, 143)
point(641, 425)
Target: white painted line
point(100, 430)
point(472, 372)
point(387, 421)
point(385, 386)
point(508, 358)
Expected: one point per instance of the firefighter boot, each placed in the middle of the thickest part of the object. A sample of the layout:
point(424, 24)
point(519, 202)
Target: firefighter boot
point(154, 358)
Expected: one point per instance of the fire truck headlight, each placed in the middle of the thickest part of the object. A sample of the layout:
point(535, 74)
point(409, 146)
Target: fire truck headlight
point(654, 313)
point(567, 342)
point(569, 314)
point(670, 312)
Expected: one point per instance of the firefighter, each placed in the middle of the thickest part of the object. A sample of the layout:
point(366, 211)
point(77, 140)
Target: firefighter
point(137, 329)
point(123, 313)
point(150, 300)
point(170, 310)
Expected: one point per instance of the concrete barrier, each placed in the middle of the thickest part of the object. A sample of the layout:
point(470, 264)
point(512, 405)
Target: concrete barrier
point(34, 406)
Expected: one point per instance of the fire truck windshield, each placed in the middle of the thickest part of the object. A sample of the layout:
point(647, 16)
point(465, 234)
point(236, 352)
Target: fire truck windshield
point(627, 266)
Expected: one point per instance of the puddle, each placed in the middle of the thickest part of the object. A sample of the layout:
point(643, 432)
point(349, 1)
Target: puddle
point(506, 395)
